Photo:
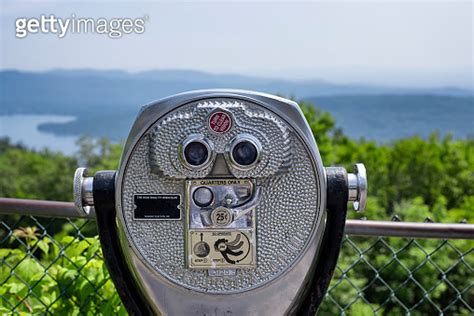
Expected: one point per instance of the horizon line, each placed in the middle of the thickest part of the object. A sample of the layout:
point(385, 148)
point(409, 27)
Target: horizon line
point(467, 87)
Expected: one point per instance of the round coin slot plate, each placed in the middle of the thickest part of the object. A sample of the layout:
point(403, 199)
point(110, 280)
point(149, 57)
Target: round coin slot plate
point(221, 216)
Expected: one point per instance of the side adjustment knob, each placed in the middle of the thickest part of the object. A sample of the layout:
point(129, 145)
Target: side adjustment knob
point(83, 191)
point(357, 183)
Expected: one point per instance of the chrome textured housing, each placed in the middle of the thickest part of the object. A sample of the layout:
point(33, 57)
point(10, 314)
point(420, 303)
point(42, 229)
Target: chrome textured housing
point(295, 174)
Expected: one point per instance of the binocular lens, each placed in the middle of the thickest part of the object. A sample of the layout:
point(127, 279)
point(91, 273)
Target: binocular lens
point(245, 153)
point(196, 153)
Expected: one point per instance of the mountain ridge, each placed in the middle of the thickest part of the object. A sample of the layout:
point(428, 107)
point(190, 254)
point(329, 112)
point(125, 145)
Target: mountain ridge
point(105, 102)
point(114, 82)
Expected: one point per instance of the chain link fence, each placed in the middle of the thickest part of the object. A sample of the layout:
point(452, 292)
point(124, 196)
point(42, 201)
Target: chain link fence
point(55, 266)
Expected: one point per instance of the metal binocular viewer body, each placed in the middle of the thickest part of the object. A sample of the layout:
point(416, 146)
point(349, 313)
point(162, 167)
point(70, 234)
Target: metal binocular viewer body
point(221, 205)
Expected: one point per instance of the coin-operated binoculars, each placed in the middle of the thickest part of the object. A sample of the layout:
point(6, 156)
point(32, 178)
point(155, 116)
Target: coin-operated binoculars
point(221, 206)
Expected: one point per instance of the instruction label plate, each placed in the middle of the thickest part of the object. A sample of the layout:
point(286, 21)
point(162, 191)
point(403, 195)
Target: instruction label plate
point(157, 206)
point(228, 249)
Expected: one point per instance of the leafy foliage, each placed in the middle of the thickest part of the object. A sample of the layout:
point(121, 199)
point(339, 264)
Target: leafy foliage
point(415, 179)
point(435, 170)
point(61, 275)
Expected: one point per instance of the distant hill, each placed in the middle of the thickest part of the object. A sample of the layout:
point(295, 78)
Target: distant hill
point(105, 102)
point(72, 91)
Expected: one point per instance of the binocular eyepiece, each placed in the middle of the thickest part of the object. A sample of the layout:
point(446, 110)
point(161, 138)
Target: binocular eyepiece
point(221, 204)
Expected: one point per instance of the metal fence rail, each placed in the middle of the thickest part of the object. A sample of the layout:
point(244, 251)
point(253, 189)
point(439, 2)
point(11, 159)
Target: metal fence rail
point(54, 265)
point(42, 208)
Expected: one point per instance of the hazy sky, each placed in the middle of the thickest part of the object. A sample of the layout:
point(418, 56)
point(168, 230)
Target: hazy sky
point(387, 43)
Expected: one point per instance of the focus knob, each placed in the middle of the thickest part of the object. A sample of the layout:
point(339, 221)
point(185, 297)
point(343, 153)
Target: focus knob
point(357, 183)
point(83, 191)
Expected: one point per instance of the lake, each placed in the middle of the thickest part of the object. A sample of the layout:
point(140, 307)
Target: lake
point(24, 129)
point(382, 118)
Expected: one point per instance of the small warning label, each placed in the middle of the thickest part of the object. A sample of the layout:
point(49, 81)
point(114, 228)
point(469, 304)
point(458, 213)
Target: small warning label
point(221, 182)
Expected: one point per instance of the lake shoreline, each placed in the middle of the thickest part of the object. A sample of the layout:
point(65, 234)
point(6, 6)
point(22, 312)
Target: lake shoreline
point(24, 129)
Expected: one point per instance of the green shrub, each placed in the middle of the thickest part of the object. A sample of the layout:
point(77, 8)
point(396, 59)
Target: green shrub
point(64, 275)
